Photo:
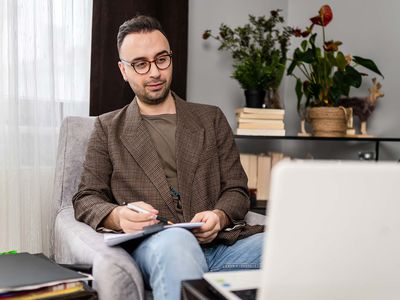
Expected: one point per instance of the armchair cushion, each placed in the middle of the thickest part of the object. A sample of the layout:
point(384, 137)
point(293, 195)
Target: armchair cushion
point(116, 275)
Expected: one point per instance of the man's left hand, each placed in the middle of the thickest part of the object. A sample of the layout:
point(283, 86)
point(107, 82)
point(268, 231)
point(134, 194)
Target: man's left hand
point(214, 222)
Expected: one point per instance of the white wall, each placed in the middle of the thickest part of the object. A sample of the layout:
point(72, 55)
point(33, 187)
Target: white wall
point(209, 70)
point(367, 28)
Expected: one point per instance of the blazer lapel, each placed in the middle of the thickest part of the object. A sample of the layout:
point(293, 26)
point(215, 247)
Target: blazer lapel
point(189, 144)
point(137, 141)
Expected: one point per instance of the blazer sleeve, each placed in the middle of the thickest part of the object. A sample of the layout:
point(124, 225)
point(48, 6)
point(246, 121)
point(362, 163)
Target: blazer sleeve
point(234, 198)
point(93, 200)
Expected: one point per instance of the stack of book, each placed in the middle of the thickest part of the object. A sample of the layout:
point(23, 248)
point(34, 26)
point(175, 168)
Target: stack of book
point(260, 121)
point(258, 170)
point(28, 276)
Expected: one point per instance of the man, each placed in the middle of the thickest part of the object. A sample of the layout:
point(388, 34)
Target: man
point(173, 158)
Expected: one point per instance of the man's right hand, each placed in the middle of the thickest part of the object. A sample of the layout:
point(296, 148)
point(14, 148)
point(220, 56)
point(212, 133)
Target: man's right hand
point(127, 220)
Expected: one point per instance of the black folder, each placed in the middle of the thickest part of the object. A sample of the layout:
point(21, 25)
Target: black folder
point(24, 271)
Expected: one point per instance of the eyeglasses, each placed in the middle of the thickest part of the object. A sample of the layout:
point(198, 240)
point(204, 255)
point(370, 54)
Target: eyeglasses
point(142, 67)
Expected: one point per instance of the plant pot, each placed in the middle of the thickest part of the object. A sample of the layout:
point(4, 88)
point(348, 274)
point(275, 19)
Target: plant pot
point(254, 98)
point(328, 121)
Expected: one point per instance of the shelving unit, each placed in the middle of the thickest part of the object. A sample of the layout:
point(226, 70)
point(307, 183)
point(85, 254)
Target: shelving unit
point(375, 140)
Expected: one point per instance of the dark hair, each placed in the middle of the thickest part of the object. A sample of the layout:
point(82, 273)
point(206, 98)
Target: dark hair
point(140, 23)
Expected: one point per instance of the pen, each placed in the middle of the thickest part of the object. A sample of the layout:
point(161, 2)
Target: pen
point(145, 211)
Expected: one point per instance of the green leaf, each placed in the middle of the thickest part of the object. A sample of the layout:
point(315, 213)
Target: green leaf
point(341, 60)
point(308, 56)
point(279, 72)
point(352, 77)
point(304, 45)
point(331, 58)
point(335, 92)
point(312, 39)
point(291, 67)
point(367, 63)
point(299, 93)
point(314, 90)
point(339, 85)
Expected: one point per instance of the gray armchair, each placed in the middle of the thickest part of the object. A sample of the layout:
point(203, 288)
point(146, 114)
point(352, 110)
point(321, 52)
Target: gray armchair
point(116, 275)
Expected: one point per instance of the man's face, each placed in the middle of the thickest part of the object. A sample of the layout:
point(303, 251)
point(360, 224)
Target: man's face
point(153, 87)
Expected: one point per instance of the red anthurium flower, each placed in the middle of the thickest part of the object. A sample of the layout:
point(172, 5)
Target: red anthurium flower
point(324, 17)
point(297, 32)
point(332, 46)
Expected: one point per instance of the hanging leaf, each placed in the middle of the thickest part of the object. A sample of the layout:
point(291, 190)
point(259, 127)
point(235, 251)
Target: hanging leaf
point(299, 93)
point(367, 63)
point(291, 67)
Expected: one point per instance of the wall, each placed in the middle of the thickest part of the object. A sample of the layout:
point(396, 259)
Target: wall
point(366, 28)
point(209, 70)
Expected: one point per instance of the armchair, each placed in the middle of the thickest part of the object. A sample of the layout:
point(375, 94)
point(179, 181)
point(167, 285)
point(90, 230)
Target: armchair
point(116, 275)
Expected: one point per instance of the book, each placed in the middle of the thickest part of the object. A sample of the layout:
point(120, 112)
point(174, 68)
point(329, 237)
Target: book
point(260, 116)
point(112, 239)
point(261, 121)
point(263, 177)
point(261, 132)
point(249, 164)
point(62, 289)
point(24, 271)
point(264, 111)
point(276, 157)
point(261, 125)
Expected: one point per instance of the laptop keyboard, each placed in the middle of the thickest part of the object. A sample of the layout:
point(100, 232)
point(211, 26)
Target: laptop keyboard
point(246, 294)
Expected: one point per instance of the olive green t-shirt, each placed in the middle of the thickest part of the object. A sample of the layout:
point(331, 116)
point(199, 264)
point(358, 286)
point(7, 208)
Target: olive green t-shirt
point(162, 130)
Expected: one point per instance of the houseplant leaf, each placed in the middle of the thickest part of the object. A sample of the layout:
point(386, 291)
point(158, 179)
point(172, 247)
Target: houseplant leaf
point(367, 63)
point(299, 92)
point(352, 77)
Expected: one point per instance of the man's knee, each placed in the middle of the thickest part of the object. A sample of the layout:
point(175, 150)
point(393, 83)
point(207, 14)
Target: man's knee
point(175, 237)
point(173, 243)
point(172, 248)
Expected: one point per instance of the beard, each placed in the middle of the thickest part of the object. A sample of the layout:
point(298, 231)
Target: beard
point(155, 97)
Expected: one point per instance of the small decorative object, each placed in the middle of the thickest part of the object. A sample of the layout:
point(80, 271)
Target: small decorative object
point(325, 76)
point(259, 53)
point(364, 107)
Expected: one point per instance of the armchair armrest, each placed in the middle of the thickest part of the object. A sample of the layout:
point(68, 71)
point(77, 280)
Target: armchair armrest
point(253, 218)
point(116, 275)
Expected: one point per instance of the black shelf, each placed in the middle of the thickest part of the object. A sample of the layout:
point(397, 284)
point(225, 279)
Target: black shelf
point(376, 140)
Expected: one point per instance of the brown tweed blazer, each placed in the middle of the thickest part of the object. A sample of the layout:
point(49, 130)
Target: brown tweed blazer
point(122, 165)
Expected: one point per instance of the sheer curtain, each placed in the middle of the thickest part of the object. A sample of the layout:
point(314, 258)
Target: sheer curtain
point(44, 76)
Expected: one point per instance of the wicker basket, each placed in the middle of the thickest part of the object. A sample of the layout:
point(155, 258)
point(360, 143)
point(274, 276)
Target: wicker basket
point(328, 121)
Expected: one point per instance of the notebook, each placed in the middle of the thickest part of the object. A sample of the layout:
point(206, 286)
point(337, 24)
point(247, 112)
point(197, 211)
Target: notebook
point(333, 233)
point(24, 271)
point(113, 239)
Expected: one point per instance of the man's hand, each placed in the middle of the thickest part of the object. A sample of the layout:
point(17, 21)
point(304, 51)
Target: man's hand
point(214, 221)
point(127, 220)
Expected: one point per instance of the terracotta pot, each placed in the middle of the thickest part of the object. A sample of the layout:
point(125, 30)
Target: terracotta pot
point(328, 121)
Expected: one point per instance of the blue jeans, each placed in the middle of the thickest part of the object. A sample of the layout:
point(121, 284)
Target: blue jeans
point(170, 256)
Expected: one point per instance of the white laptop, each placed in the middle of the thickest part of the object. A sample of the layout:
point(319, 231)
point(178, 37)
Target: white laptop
point(333, 233)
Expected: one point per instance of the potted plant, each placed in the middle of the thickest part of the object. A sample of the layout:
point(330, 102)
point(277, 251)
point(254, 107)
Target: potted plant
point(327, 76)
point(259, 52)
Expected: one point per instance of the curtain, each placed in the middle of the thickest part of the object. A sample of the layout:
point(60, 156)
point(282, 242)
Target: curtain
point(44, 76)
point(108, 91)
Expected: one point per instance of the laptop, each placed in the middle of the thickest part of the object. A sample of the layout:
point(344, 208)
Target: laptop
point(333, 233)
